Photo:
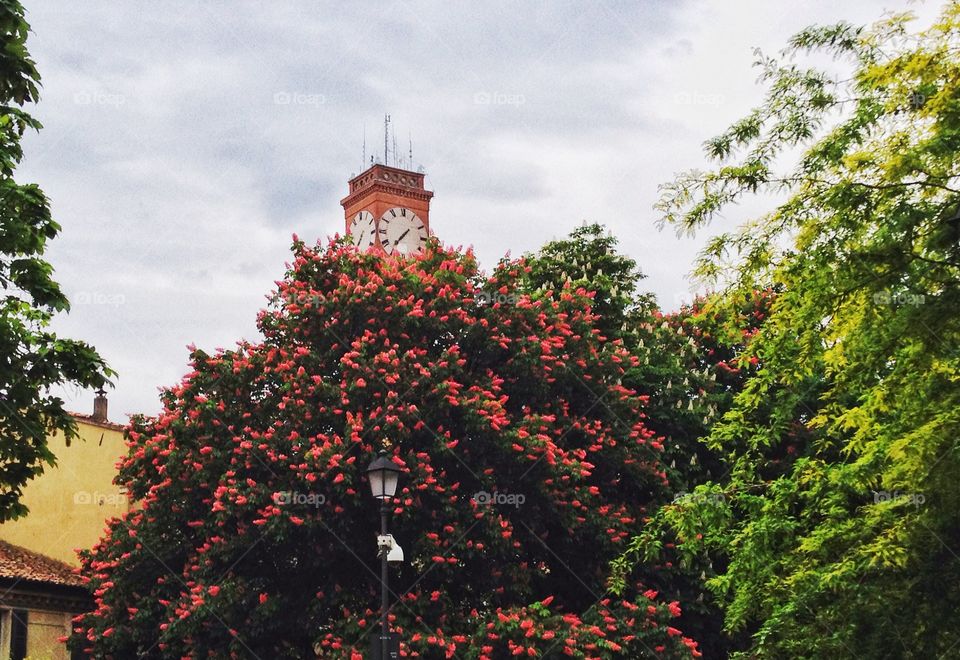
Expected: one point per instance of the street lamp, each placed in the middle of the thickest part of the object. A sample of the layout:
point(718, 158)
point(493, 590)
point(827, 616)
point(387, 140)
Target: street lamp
point(384, 474)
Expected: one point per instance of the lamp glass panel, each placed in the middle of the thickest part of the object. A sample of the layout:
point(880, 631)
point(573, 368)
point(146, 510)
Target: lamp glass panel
point(390, 482)
point(376, 483)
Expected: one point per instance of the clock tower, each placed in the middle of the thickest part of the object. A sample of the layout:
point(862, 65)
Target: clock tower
point(389, 207)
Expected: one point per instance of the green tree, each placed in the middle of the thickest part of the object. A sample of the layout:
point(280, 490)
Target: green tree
point(687, 370)
point(838, 523)
point(685, 367)
point(32, 358)
point(588, 258)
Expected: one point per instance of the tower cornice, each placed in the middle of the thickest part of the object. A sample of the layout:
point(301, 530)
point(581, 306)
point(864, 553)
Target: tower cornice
point(379, 186)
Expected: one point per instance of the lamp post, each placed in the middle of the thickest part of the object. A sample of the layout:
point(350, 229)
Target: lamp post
point(384, 474)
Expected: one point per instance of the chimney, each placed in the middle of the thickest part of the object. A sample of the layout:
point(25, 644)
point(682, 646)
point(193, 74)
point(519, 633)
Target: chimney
point(100, 406)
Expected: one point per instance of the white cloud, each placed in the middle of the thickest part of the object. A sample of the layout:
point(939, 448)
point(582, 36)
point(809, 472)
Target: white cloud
point(185, 143)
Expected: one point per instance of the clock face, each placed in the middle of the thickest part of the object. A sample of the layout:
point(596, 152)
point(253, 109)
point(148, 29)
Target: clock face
point(363, 230)
point(402, 231)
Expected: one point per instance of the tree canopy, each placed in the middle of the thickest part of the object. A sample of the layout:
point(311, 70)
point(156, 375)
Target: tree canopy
point(836, 526)
point(526, 466)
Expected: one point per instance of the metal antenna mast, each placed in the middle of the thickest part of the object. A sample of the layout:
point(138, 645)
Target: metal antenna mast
point(386, 138)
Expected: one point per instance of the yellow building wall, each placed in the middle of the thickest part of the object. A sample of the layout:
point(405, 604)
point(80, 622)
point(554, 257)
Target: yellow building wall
point(70, 503)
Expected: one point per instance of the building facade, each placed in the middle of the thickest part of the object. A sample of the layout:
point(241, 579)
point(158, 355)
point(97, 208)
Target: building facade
point(38, 598)
point(69, 505)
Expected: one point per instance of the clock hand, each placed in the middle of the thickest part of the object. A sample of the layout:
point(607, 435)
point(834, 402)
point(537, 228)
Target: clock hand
point(400, 238)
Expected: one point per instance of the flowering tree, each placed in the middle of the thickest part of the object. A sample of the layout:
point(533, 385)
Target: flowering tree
point(526, 466)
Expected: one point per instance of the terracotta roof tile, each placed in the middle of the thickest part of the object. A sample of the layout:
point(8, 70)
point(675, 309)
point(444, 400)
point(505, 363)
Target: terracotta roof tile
point(21, 564)
point(88, 419)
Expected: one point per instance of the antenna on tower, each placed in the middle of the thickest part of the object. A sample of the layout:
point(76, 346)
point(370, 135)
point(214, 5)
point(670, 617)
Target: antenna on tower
point(386, 139)
point(410, 164)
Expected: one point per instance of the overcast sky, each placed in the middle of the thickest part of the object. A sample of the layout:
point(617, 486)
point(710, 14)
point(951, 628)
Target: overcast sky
point(185, 142)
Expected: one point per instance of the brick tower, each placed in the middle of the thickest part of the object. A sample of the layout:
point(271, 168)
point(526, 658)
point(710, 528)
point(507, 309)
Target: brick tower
point(388, 207)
